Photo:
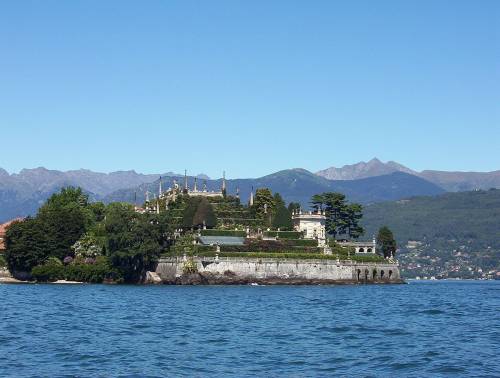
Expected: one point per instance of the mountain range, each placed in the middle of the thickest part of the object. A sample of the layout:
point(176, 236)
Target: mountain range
point(449, 181)
point(367, 182)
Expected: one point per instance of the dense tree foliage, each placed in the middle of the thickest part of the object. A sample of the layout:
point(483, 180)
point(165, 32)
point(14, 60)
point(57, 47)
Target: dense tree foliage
point(198, 212)
point(134, 240)
point(386, 242)
point(204, 214)
point(69, 228)
point(282, 217)
point(264, 205)
point(60, 222)
point(342, 218)
point(26, 245)
point(468, 218)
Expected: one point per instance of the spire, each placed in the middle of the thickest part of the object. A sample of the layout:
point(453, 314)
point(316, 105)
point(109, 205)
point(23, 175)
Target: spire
point(159, 189)
point(223, 181)
point(157, 206)
point(251, 197)
point(147, 195)
point(185, 180)
point(195, 189)
point(238, 192)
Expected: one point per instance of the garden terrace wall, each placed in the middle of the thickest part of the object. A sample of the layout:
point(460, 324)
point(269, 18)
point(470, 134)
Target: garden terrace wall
point(276, 270)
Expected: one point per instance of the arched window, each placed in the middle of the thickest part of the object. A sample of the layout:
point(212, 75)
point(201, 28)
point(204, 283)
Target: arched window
point(361, 250)
point(359, 273)
point(369, 250)
point(390, 274)
point(381, 274)
point(374, 273)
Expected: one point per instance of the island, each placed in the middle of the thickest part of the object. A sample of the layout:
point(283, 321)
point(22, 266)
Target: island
point(187, 234)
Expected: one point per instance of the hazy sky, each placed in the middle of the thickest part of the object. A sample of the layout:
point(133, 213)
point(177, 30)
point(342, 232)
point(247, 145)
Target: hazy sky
point(249, 86)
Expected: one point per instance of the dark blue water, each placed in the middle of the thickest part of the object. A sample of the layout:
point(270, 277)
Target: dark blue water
point(420, 329)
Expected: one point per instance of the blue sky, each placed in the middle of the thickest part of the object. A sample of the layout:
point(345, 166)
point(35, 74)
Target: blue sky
point(251, 87)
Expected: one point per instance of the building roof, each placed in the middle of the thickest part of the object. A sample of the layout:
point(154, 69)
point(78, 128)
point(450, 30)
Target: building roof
point(221, 240)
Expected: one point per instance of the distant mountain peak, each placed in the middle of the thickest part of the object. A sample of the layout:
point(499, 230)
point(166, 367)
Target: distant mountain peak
point(372, 168)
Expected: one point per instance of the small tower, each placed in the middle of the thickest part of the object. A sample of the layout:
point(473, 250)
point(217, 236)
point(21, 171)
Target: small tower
point(185, 181)
point(238, 193)
point(195, 189)
point(159, 189)
point(251, 198)
point(147, 196)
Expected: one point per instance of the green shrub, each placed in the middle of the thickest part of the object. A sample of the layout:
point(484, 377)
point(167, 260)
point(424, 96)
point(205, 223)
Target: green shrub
point(283, 234)
point(48, 272)
point(93, 273)
point(3, 262)
point(223, 233)
point(189, 267)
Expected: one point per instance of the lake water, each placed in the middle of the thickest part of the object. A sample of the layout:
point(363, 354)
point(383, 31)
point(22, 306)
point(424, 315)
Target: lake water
point(419, 329)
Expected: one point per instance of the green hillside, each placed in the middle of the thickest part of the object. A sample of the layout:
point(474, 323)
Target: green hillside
point(447, 234)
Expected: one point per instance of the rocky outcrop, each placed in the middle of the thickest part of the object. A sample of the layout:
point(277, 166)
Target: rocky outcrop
point(152, 278)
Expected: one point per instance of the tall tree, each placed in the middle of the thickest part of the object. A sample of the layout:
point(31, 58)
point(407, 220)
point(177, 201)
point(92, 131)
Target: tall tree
point(204, 214)
point(336, 213)
point(386, 242)
point(317, 202)
point(190, 211)
point(354, 214)
point(282, 217)
point(264, 205)
point(26, 246)
point(134, 240)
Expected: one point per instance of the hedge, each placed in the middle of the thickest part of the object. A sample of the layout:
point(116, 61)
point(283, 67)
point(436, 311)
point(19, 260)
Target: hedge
point(255, 245)
point(288, 255)
point(94, 273)
point(283, 234)
point(223, 233)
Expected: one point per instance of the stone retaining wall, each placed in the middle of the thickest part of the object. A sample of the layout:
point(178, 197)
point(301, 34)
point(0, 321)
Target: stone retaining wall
point(262, 269)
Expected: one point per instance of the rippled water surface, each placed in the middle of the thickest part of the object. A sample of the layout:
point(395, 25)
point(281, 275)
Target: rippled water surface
point(419, 329)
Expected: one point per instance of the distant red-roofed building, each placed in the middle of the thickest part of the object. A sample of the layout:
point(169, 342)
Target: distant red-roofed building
point(3, 230)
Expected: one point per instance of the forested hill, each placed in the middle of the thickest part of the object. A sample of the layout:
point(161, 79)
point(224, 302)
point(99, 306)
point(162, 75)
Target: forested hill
point(472, 217)
point(453, 235)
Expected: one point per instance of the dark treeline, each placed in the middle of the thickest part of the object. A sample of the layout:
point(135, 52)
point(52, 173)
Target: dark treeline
point(71, 238)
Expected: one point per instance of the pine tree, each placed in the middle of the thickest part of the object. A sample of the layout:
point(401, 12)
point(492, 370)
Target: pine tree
point(386, 242)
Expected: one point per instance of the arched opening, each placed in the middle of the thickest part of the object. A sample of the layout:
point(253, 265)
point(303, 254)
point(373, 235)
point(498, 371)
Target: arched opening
point(374, 273)
point(366, 274)
point(361, 250)
point(381, 274)
point(369, 250)
point(359, 273)
point(390, 274)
